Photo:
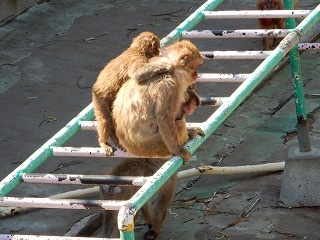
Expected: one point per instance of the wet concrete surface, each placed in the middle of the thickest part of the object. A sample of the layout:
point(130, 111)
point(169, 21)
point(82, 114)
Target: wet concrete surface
point(49, 61)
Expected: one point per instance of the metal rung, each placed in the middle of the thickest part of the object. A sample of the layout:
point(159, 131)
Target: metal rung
point(61, 203)
point(226, 55)
point(200, 125)
point(92, 125)
point(256, 14)
point(37, 237)
point(309, 46)
point(212, 101)
point(92, 152)
point(209, 55)
point(88, 125)
point(221, 77)
point(82, 179)
point(242, 33)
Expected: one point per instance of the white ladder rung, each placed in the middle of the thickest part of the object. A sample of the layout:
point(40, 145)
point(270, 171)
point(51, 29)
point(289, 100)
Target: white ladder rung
point(61, 203)
point(256, 14)
point(309, 46)
point(195, 125)
point(38, 237)
point(221, 77)
point(88, 125)
point(49, 178)
point(226, 55)
point(91, 152)
point(213, 101)
point(92, 125)
point(242, 33)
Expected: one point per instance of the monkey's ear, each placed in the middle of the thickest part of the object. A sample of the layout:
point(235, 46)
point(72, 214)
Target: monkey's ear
point(185, 58)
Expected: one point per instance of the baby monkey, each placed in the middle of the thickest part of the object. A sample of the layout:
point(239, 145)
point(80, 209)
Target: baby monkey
point(192, 101)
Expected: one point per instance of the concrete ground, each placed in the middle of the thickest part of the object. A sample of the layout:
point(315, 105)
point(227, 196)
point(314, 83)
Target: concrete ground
point(50, 57)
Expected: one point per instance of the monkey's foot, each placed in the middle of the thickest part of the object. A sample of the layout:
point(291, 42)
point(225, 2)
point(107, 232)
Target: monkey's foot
point(183, 153)
point(151, 234)
point(193, 132)
point(108, 149)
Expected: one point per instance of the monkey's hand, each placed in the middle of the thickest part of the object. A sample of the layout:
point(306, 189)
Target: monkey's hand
point(184, 153)
point(193, 132)
point(165, 68)
point(150, 70)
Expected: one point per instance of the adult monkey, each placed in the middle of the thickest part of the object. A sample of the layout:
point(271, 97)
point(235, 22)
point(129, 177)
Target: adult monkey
point(149, 116)
point(156, 101)
point(272, 23)
point(114, 75)
point(154, 216)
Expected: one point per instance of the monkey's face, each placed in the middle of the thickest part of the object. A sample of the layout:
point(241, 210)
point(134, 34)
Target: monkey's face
point(189, 107)
point(191, 61)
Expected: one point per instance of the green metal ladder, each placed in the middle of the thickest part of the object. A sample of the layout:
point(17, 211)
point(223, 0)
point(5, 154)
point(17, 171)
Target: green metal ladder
point(127, 209)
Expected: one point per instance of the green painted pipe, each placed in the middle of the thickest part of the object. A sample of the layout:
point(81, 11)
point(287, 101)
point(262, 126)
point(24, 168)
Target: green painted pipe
point(302, 126)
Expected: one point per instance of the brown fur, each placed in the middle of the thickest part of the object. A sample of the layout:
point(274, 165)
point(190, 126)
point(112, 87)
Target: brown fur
point(113, 76)
point(154, 220)
point(156, 102)
point(272, 23)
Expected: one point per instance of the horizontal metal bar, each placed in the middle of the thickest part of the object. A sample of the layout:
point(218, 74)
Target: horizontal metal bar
point(91, 152)
point(226, 55)
point(194, 125)
point(85, 152)
point(82, 179)
point(231, 55)
point(61, 203)
point(221, 77)
point(88, 125)
point(309, 46)
point(92, 125)
point(37, 237)
point(242, 33)
point(256, 14)
point(212, 101)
